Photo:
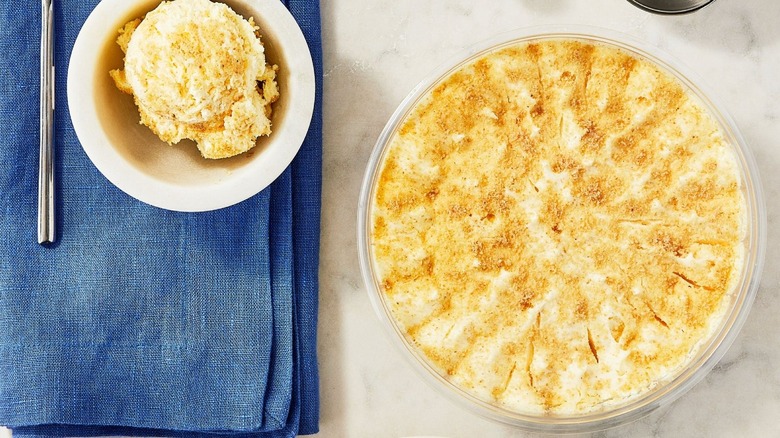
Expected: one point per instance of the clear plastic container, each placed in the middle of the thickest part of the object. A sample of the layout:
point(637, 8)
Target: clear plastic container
point(712, 350)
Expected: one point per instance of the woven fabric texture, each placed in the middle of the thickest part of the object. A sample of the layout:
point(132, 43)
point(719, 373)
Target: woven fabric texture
point(138, 320)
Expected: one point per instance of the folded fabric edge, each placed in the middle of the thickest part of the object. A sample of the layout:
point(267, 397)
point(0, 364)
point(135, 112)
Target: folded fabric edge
point(279, 393)
point(66, 430)
point(306, 227)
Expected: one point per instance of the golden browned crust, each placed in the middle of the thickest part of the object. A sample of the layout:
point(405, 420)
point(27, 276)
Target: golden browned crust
point(556, 225)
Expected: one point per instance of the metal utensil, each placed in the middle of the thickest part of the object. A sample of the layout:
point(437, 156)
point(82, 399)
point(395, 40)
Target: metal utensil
point(670, 6)
point(46, 156)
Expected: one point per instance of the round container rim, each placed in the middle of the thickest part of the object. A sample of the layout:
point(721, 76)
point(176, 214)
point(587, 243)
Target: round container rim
point(715, 347)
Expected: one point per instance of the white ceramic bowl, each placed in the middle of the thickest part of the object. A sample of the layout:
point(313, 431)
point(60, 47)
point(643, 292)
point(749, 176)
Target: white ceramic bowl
point(176, 177)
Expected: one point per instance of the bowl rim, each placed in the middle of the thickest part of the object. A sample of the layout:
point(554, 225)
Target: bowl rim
point(709, 353)
point(281, 148)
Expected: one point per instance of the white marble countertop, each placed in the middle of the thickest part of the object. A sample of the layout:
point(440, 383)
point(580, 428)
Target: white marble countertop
point(375, 53)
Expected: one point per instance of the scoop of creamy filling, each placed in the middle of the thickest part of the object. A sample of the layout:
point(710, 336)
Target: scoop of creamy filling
point(197, 70)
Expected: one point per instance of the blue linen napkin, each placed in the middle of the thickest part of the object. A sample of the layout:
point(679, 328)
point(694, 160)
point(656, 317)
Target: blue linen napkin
point(142, 321)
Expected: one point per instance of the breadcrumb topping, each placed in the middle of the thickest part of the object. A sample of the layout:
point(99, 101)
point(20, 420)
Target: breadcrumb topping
point(557, 226)
point(197, 70)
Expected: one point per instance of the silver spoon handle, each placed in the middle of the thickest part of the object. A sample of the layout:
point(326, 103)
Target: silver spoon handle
point(46, 158)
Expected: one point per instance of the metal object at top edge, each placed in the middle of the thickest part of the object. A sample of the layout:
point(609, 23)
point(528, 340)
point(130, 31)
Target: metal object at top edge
point(670, 7)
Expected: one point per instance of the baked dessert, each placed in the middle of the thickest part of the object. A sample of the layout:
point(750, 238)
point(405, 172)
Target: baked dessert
point(197, 70)
point(557, 226)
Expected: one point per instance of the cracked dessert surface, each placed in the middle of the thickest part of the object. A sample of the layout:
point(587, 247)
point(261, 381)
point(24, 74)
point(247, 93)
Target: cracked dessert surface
point(557, 226)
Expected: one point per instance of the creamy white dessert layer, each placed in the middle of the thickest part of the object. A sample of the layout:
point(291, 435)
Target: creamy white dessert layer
point(558, 226)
